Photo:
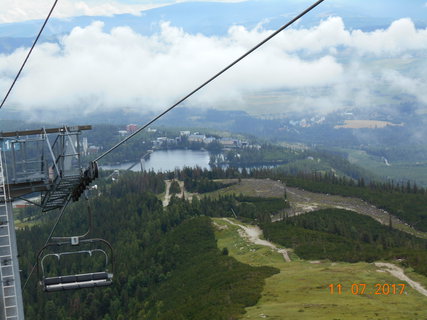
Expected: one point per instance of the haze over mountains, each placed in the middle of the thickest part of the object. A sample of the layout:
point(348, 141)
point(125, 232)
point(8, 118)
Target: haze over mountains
point(92, 65)
point(215, 18)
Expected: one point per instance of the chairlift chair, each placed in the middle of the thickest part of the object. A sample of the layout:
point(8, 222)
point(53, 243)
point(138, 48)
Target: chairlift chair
point(78, 280)
point(84, 247)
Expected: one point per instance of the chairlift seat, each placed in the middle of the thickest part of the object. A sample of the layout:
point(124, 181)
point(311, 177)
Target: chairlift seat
point(79, 281)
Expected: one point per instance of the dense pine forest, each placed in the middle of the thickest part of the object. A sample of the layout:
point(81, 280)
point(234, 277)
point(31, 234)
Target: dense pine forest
point(166, 261)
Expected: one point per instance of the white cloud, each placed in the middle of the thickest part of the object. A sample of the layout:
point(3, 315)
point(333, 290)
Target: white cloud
point(326, 66)
point(92, 69)
point(401, 36)
point(412, 86)
point(331, 34)
point(22, 10)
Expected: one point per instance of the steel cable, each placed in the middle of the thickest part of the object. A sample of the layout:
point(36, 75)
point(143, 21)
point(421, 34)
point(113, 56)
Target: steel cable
point(28, 55)
point(211, 79)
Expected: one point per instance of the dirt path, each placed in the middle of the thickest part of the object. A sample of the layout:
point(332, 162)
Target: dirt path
point(253, 233)
point(181, 186)
point(187, 195)
point(167, 197)
point(398, 273)
point(184, 193)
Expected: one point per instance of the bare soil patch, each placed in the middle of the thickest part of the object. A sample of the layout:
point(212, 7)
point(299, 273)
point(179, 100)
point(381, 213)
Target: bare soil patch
point(253, 234)
point(303, 201)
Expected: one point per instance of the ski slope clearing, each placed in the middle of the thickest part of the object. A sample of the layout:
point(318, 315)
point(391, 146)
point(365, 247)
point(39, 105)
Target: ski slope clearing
point(301, 289)
point(303, 201)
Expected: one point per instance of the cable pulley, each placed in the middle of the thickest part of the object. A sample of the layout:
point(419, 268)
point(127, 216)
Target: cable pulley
point(89, 175)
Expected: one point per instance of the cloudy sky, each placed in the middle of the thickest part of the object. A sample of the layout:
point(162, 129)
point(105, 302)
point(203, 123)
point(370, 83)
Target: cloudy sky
point(21, 10)
point(325, 67)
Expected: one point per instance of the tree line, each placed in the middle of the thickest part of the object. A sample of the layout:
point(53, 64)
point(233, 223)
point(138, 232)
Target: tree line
point(341, 235)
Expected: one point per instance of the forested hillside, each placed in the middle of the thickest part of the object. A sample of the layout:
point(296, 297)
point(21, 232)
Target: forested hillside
point(341, 235)
point(166, 260)
point(167, 264)
point(405, 200)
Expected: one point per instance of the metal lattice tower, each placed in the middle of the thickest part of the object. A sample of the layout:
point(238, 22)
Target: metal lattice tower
point(11, 296)
point(40, 163)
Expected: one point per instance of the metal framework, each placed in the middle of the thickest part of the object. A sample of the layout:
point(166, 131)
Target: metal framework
point(38, 162)
point(45, 161)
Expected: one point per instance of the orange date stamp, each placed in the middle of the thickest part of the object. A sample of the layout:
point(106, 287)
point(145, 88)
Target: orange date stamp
point(362, 288)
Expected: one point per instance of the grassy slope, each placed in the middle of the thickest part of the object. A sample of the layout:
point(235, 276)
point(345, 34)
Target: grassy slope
point(265, 188)
point(205, 284)
point(300, 290)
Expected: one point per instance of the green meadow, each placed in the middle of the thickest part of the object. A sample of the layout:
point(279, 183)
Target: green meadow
point(301, 289)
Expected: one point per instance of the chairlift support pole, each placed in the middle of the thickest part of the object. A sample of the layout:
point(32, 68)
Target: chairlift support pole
point(11, 301)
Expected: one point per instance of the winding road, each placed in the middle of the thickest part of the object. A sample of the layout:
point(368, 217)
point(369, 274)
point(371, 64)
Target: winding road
point(398, 273)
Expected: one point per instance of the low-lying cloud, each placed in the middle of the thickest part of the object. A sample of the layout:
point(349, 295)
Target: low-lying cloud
point(91, 70)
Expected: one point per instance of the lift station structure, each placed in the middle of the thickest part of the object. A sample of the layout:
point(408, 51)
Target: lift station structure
point(45, 162)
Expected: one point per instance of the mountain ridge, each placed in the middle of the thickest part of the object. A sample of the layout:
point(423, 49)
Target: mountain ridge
point(215, 18)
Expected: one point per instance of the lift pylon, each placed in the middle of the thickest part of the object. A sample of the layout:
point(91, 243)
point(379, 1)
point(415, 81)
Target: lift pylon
point(10, 282)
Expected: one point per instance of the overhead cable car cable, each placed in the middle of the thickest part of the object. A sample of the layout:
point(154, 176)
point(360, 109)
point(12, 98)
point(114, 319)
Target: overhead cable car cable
point(213, 78)
point(28, 55)
point(170, 108)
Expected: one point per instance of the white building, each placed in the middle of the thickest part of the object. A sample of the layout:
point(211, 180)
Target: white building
point(196, 137)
